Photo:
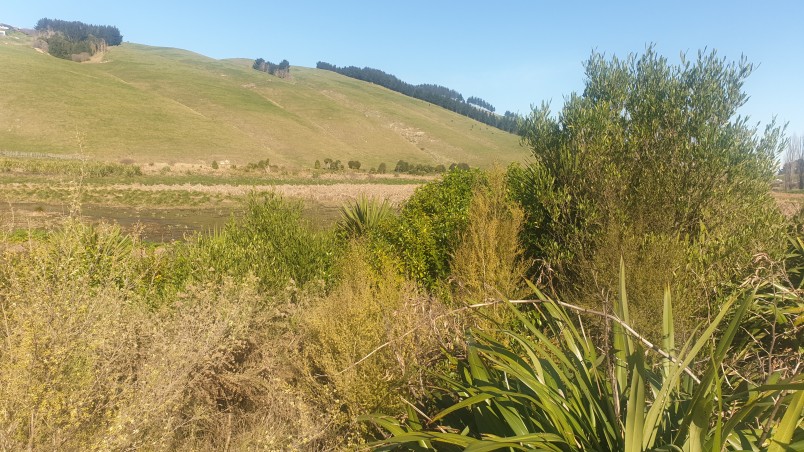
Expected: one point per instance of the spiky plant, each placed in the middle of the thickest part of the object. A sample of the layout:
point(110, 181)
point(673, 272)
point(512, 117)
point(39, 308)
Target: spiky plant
point(552, 390)
point(363, 214)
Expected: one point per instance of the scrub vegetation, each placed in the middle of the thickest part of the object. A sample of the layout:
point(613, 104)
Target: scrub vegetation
point(632, 287)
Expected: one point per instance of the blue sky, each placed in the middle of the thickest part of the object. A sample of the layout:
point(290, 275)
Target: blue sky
point(513, 54)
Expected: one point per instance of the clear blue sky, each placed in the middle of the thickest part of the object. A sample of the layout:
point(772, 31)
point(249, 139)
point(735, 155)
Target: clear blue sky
point(513, 54)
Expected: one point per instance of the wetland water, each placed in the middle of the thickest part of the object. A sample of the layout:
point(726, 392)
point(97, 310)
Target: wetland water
point(154, 224)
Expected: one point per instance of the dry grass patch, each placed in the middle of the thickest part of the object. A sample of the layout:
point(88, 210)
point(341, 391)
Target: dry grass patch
point(89, 361)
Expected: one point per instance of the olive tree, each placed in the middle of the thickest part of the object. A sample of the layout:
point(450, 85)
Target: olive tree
point(652, 164)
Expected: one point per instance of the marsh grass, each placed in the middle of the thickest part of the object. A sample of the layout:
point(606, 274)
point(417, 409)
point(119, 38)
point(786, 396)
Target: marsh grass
point(67, 167)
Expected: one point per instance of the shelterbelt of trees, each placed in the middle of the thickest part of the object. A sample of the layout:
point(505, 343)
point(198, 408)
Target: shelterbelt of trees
point(473, 107)
point(75, 40)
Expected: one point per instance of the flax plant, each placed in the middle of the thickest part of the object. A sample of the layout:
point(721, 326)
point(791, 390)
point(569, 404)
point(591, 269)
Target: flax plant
point(553, 389)
point(363, 214)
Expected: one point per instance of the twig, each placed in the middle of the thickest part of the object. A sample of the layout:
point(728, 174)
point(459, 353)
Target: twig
point(429, 419)
point(611, 317)
point(407, 333)
point(625, 326)
point(766, 428)
point(228, 433)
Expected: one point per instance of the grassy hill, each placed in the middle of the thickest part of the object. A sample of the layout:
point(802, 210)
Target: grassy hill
point(161, 104)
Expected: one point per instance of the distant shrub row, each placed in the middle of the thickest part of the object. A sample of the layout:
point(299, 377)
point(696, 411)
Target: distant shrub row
point(401, 167)
point(474, 107)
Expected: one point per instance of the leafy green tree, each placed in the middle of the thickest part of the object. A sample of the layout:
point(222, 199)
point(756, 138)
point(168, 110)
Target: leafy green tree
point(651, 163)
point(382, 169)
point(317, 164)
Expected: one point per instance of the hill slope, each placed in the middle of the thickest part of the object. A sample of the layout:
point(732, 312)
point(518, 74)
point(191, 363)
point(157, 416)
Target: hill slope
point(159, 104)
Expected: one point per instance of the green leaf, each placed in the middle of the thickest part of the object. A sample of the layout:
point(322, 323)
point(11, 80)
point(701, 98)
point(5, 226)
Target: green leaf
point(654, 417)
point(790, 422)
point(635, 417)
point(466, 403)
point(668, 331)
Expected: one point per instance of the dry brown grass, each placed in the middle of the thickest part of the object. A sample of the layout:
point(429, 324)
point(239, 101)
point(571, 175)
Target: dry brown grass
point(332, 193)
point(87, 363)
point(790, 204)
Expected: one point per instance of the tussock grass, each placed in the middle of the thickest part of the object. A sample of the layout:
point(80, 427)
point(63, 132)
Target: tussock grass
point(362, 215)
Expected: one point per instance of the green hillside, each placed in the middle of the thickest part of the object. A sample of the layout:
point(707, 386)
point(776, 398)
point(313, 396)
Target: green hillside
point(161, 104)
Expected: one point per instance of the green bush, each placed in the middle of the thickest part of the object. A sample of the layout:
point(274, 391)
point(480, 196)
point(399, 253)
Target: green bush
point(349, 370)
point(487, 262)
point(651, 165)
point(430, 226)
point(105, 346)
point(362, 215)
point(270, 241)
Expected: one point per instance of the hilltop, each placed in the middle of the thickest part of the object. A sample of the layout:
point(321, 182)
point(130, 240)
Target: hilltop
point(147, 104)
